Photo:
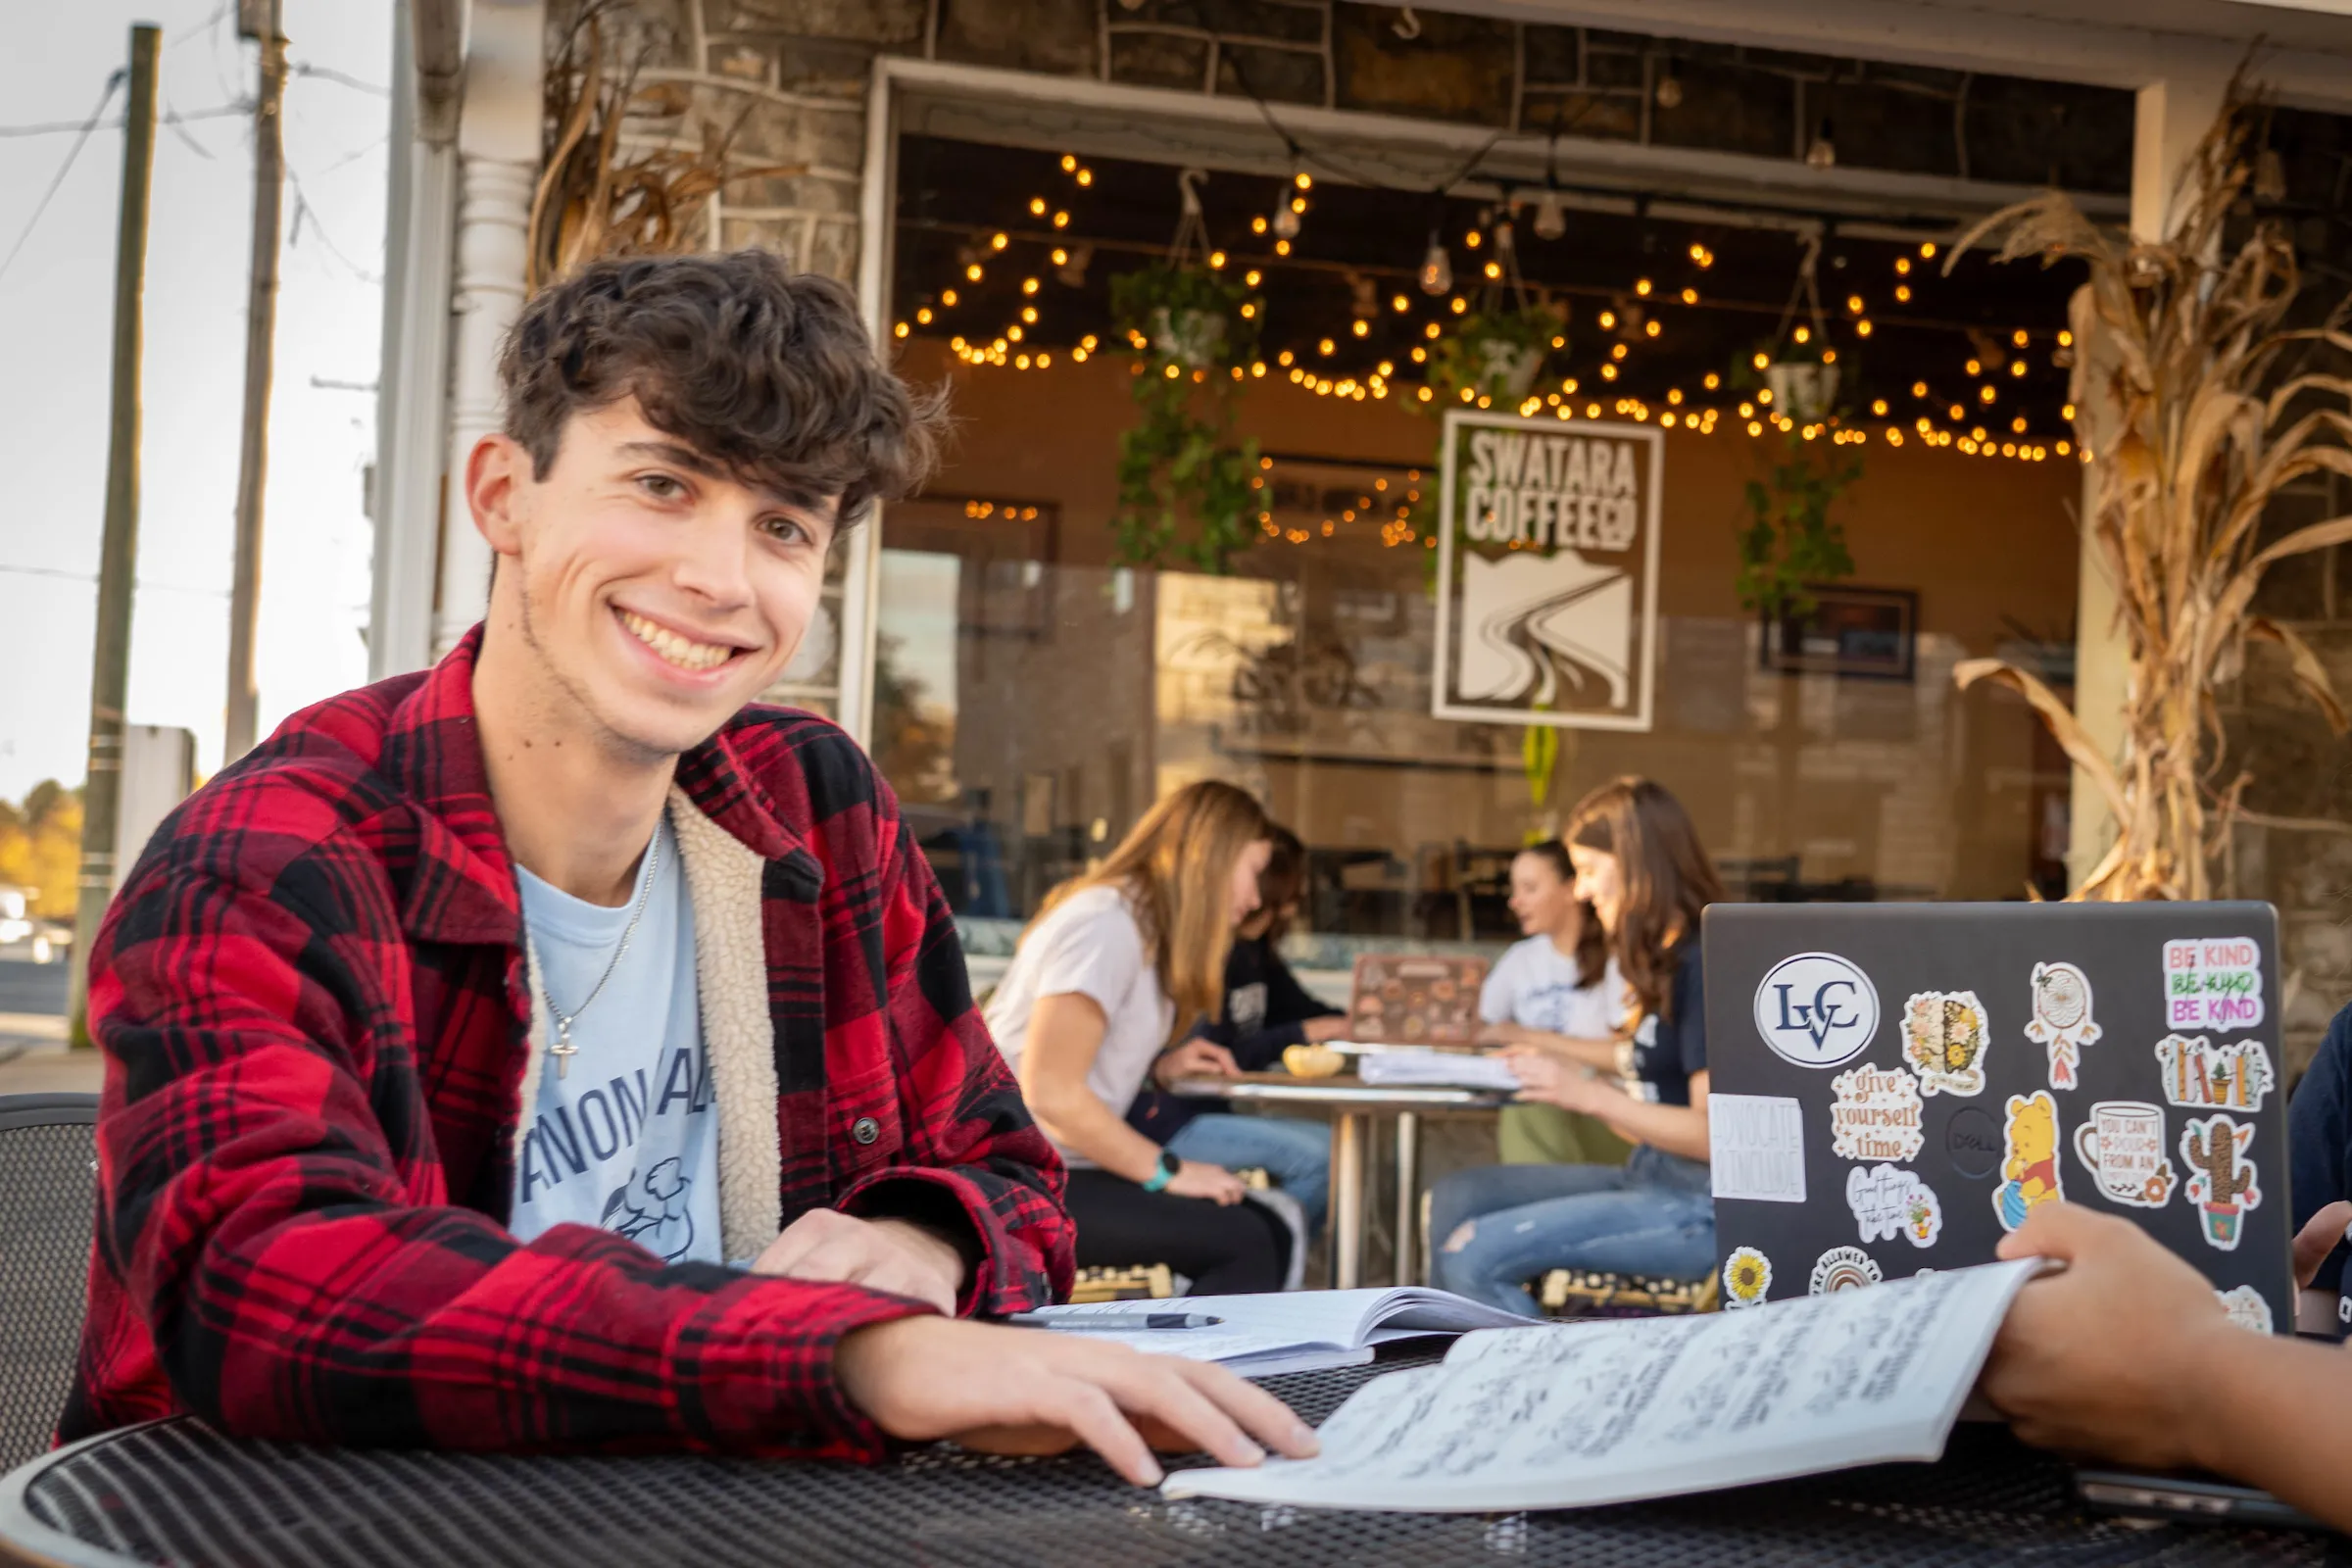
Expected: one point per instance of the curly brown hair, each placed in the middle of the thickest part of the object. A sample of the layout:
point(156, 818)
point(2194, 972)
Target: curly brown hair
point(770, 375)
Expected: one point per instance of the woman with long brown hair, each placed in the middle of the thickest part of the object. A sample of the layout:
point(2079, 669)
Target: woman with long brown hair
point(1639, 865)
point(1115, 968)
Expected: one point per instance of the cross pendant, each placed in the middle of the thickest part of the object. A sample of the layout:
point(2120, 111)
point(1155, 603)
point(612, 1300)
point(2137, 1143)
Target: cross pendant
point(563, 1049)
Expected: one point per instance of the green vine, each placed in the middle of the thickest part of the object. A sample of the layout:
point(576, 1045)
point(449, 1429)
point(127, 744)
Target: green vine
point(1466, 360)
point(1191, 329)
point(1788, 540)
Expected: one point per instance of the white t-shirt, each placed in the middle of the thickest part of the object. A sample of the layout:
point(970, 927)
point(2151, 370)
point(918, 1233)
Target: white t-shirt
point(1534, 983)
point(628, 1138)
point(1089, 946)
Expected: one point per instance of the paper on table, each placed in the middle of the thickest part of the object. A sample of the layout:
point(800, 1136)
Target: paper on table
point(1446, 1067)
point(1568, 1416)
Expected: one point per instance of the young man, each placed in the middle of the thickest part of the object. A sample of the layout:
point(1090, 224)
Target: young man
point(460, 1038)
point(2127, 1356)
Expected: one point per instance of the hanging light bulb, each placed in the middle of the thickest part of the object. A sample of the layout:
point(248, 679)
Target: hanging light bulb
point(1437, 267)
point(1286, 221)
point(1822, 152)
point(1551, 220)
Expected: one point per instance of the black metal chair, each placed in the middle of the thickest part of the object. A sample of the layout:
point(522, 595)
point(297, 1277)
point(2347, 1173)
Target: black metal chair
point(48, 1201)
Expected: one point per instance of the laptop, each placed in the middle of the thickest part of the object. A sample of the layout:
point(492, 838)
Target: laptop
point(1404, 998)
point(1895, 1087)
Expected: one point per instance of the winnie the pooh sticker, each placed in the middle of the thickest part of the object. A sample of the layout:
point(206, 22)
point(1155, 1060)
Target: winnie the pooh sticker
point(2029, 1176)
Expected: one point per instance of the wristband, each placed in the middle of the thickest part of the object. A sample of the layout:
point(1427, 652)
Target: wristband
point(1158, 1180)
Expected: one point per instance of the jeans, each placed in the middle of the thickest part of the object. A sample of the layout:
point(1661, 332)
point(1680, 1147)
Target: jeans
point(1653, 1215)
point(1295, 1152)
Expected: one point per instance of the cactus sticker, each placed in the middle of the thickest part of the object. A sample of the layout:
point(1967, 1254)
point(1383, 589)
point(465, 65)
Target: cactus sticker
point(2222, 1183)
point(2062, 1020)
point(2029, 1176)
point(1746, 1278)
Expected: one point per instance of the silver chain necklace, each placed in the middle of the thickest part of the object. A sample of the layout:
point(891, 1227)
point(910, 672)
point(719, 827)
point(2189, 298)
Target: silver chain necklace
point(561, 1047)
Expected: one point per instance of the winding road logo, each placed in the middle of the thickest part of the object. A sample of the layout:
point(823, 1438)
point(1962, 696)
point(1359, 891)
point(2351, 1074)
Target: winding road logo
point(1547, 573)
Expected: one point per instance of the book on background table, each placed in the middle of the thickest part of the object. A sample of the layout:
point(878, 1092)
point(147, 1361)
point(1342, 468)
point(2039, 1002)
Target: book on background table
point(1571, 1415)
point(1290, 1331)
point(1436, 1069)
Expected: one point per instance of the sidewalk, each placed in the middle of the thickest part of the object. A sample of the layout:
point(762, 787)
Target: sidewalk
point(35, 1061)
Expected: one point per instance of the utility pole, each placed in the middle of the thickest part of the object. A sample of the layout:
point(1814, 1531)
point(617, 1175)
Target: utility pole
point(118, 554)
point(258, 20)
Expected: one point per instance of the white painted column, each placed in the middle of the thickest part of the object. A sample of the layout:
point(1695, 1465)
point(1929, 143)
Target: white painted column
point(2173, 113)
point(498, 167)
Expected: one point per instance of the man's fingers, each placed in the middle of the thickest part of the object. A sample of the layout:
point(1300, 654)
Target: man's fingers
point(1264, 1417)
point(1089, 1411)
point(2318, 1238)
point(1161, 1395)
point(2051, 1230)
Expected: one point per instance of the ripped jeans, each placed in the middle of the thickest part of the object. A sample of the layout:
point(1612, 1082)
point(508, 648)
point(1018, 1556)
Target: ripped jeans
point(1652, 1215)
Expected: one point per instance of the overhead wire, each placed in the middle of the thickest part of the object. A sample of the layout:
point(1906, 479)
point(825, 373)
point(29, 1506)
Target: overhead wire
point(113, 85)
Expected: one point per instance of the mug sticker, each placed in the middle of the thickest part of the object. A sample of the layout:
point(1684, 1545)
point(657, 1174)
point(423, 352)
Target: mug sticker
point(1890, 1202)
point(2123, 1146)
point(1756, 1146)
point(1875, 1114)
point(2062, 1022)
point(2222, 1183)
point(1844, 1269)
point(2245, 1306)
point(1815, 1009)
point(2235, 1075)
point(1746, 1278)
point(1945, 1041)
point(2213, 983)
point(2029, 1174)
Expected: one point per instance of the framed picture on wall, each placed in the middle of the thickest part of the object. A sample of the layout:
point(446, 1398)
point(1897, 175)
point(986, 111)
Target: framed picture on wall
point(1854, 633)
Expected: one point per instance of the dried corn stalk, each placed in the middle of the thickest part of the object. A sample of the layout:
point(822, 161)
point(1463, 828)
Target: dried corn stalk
point(596, 199)
point(2195, 405)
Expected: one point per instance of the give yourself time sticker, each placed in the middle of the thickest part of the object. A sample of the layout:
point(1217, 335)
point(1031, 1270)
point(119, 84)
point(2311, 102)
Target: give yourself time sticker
point(1815, 1009)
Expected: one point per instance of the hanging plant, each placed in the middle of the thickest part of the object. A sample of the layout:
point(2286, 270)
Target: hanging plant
point(1192, 329)
point(1789, 539)
point(1181, 461)
point(1495, 354)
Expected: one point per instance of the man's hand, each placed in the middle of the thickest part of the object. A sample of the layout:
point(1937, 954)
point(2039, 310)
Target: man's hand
point(2111, 1356)
point(882, 1255)
point(1033, 1391)
point(1556, 1081)
point(1198, 1179)
point(2318, 1238)
point(1193, 1059)
point(1506, 1033)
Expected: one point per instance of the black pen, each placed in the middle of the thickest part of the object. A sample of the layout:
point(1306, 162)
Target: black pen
point(1115, 1323)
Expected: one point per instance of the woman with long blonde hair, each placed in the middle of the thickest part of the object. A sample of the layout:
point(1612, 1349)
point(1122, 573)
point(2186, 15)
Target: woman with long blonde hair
point(1639, 866)
point(1116, 968)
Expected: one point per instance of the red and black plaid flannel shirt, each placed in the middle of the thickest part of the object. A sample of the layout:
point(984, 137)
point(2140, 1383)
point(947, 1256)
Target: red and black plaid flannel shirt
point(311, 995)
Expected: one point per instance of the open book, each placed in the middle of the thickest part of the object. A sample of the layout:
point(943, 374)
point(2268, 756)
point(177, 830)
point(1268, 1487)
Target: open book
point(1437, 1067)
point(1575, 1414)
point(1294, 1331)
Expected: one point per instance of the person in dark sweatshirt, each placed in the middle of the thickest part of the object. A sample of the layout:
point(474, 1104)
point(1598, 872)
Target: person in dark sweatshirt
point(1266, 1011)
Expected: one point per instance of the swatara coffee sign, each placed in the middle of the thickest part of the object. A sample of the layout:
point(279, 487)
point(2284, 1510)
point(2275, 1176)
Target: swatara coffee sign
point(1547, 572)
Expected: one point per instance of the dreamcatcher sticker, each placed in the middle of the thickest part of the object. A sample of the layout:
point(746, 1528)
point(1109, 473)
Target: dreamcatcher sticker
point(2062, 1022)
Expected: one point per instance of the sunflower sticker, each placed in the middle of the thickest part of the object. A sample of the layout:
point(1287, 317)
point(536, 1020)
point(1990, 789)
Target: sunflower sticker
point(1746, 1278)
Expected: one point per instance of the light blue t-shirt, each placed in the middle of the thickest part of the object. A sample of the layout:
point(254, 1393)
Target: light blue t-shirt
point(628, 1138)
point(1536, 985)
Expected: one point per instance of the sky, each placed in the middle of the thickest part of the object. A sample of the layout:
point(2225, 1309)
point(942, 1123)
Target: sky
point(56, 334)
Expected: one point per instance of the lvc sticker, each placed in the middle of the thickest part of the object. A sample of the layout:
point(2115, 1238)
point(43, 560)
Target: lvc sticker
point(1815, 1009)
point(2062, 1021)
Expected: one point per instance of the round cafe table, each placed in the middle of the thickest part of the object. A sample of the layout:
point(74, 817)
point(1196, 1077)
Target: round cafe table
point(1352, 1103)
point(176, 1493)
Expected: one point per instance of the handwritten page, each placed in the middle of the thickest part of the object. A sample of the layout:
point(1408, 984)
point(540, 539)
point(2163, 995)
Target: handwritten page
point(1438, 1068)
point(1572, 1415)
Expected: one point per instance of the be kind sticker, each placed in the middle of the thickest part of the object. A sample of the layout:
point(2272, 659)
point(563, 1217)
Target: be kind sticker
point(1875, 1114)
point(2213, 983)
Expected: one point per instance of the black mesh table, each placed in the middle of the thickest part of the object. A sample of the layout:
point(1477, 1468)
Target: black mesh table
point(175, 1493)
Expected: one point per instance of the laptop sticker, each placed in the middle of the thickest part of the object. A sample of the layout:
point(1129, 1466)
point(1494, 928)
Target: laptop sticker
point(1945, 1039)
point(2062, 1022)
point(1875, 1114)
point(2123, 1146)
point(1844, 1269)
point(2246, 1307)
point(2213, 983)
point(2029, 1174)
point(1756, 1148)
point(1890, 1202)
point(2222, 1178)
point(1815, 1009)
point(1746, 1278)
point(2235, 1075)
